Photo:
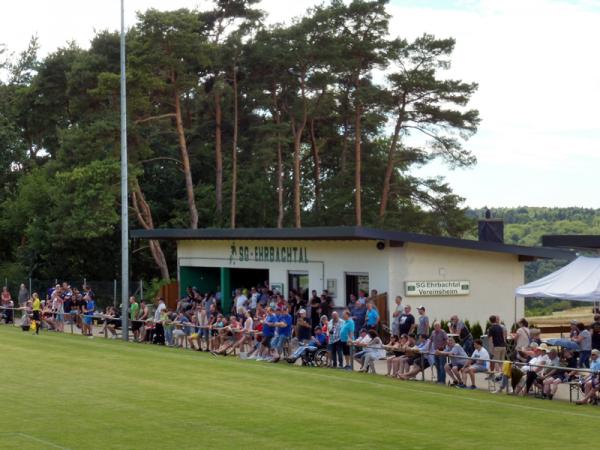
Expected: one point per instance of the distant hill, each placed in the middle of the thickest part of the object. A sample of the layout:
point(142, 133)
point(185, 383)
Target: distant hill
point(526, 225)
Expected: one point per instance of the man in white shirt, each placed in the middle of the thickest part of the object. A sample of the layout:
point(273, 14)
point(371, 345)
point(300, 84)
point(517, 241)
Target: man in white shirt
point(396, 316)
point(159, 309)
point(531, 370)
point(362, 342)
point(479, 362)
point(241, 301)
point(254, 295)
point(363, 339)
point(335, 345)
point(159, 329)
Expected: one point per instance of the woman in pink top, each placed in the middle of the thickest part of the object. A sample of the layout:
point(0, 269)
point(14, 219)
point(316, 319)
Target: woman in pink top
point(5, 297)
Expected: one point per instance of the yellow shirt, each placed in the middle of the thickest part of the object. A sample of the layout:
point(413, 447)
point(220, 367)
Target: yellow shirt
point(37, 305)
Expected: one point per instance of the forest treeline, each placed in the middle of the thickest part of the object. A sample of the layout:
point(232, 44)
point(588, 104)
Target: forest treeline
point(526, 225)
point(232, 123)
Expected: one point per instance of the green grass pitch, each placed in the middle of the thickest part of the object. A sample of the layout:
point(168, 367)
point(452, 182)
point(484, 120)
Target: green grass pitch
point(70, 392)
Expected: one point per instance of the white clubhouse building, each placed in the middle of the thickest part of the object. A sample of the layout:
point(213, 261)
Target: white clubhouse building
point(446, 275)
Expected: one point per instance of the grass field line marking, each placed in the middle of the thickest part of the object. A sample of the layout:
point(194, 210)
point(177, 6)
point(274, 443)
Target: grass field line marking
point(33, 438)
point(443, 394)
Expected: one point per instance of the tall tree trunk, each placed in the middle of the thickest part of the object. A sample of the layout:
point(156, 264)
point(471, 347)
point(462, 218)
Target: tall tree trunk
point(316, 165)
point(218, 155)
point(344, 147)
point(389, 170)
point(185, 161)
point(144, 216)
point(159, 257)
point(277, 118)
point(345, 112)
point(298, 131)
point(234, 149)
point(297, 192)
point(218, 128)
point(357, 167)
point(279, 179)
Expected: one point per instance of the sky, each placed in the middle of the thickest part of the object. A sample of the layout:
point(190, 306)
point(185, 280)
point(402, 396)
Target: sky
point(535, 62)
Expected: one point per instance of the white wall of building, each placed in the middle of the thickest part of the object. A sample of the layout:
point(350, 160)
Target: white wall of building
point(326, 260)
point(493, 276)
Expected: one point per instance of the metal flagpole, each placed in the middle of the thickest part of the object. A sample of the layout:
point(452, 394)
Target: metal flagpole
point(124, 196)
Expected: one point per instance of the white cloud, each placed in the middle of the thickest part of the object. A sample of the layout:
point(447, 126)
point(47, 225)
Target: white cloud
point(535, 62)
point(58, 21)
point(539, 90)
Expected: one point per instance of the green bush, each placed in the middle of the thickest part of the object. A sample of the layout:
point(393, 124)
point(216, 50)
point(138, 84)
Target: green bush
point(476, 330)
point(487, 327)
point(155, 285)
point(444, 325)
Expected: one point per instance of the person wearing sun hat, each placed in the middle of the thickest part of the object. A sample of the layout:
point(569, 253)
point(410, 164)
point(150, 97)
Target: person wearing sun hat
point(591, 383)
point(534, 368)
point(552, 376)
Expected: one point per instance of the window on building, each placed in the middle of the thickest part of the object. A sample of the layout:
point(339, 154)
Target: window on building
point(298, 281)
point(356, 282)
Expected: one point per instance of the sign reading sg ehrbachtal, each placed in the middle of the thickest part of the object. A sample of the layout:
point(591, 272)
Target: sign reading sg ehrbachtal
point(436, 288)
point(279, 254)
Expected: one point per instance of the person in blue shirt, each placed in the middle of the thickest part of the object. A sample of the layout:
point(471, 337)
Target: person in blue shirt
point(88, 313)
point(372, 316)
point(319, 340)
point(591, 383)
point(346, 337)
point(268, 332)
point(181, 330)
point(359, 314)
point(284, 332)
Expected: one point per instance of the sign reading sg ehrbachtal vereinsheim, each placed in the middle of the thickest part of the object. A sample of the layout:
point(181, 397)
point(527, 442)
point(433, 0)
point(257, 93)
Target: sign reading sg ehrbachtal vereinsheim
point(436, 288)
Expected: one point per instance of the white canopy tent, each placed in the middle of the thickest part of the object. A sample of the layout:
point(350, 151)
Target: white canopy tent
point(579, 280)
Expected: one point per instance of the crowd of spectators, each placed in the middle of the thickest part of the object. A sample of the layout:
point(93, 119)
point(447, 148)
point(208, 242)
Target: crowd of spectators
point(263, 325)
point(61, 303)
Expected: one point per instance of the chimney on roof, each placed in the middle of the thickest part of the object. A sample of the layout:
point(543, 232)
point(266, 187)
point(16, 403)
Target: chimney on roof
point(491, 230)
